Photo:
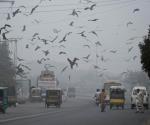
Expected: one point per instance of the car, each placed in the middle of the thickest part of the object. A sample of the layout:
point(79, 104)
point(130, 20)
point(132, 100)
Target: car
point(134, 95)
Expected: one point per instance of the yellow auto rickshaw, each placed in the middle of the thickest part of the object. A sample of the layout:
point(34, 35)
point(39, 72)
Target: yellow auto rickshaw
point(3, 99)
point(117, 96)
point(53, 97)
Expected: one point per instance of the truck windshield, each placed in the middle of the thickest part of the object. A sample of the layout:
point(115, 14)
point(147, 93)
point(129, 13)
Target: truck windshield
point(116, 94)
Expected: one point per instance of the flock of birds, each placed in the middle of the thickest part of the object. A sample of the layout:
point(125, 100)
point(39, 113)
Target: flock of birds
point(4, 30)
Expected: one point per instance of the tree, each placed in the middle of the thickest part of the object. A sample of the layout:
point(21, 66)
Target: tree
point(145, 53)
point(7, 69)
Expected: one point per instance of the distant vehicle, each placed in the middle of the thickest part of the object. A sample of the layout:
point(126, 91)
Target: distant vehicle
point(117, 96)
point(46, 80)
point(36, 95)
point(3, 99)
point(107, 86)
point(134, 95)
point(71, 92)
point(22, 90)
point(53, 97)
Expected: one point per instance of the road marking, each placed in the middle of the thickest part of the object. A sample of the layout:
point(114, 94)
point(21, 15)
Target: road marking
point(28, 116)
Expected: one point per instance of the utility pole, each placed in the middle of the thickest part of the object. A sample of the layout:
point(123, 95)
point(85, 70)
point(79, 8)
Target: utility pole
point(96, 64)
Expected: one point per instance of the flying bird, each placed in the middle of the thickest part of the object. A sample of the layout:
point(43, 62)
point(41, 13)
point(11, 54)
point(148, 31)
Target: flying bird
point(26, 67)
point(60, 53)
point(35, 34)
point(56, 31)
point(8, 17)
point(33, 9)
point(64, 39)
point(64, 69)
point(19, 59)
point(129, 23)
point(4, 28)
point(88, 1)
point(4, 35)
point(53, 40)
point(102, 58)
point(16, 12)
point(113, 51)
point(75, 13)
point(134, 57)
point(96, 67)
point(93, 20)
point(90, 8)
point(72, 62)
point(135, 10)
point(129, 50)
point(87, 57)
point(19, 69)
point(98, 43)
point(38, 47)
point(93, 32)
point(82, 34)
point(86, 46)
point(71, 23)
point(62, 46)
point(27, 45)
point(69, 77)
point(44, 41)
point(40, 61)
point(101, 75)
point(24, 28)
point(46, 52)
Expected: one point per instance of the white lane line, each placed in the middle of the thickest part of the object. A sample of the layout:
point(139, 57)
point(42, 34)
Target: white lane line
point(28, 116)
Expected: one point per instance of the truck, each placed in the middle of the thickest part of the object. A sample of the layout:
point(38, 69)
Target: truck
point(35, 95)
point(22, 90)
point(46, 80)
point(107, 86)
point(71, 92)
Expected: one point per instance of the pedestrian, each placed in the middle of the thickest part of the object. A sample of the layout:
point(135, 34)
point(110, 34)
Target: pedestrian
point(102, 98)
point(97, 96)
point(139, 101)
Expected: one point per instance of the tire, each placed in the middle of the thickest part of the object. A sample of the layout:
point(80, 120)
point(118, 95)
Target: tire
point(111, 106)
point(3, 111)
point(132, 106)
point(122, 107)
point(147, 106)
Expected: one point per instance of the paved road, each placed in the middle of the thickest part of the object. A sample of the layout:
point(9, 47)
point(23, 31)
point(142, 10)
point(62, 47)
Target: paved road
point(73, 112)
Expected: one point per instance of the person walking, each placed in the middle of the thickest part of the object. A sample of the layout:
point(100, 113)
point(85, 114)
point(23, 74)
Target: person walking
point(102, 102)
point(139, 101)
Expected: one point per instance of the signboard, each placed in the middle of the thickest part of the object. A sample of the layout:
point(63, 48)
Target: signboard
point(47, 84)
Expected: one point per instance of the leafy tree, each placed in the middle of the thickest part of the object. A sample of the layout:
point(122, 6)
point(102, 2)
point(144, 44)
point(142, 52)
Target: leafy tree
point(7, 69)
point(145, 53)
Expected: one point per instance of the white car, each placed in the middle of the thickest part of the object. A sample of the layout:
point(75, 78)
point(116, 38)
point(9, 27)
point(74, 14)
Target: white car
point(134, 95)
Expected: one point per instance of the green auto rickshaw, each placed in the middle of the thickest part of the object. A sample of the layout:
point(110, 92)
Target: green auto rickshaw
point(3, 99)
point(117, 96)
point(53, 97)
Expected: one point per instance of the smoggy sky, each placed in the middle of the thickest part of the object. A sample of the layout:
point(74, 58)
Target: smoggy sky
point(120, 27)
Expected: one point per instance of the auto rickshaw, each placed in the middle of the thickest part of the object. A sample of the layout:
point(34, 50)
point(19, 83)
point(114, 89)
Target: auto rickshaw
point(3, 99)
point(53, 97)
point(117, 96)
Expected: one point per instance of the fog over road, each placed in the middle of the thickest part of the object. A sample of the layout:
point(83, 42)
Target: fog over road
point(73, 112)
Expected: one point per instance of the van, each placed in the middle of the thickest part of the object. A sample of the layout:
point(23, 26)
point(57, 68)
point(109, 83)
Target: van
point(134, 95)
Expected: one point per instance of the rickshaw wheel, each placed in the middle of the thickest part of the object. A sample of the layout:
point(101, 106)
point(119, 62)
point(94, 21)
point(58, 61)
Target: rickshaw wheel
point(3, 111)
point(111, 106)
point(122, 107)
